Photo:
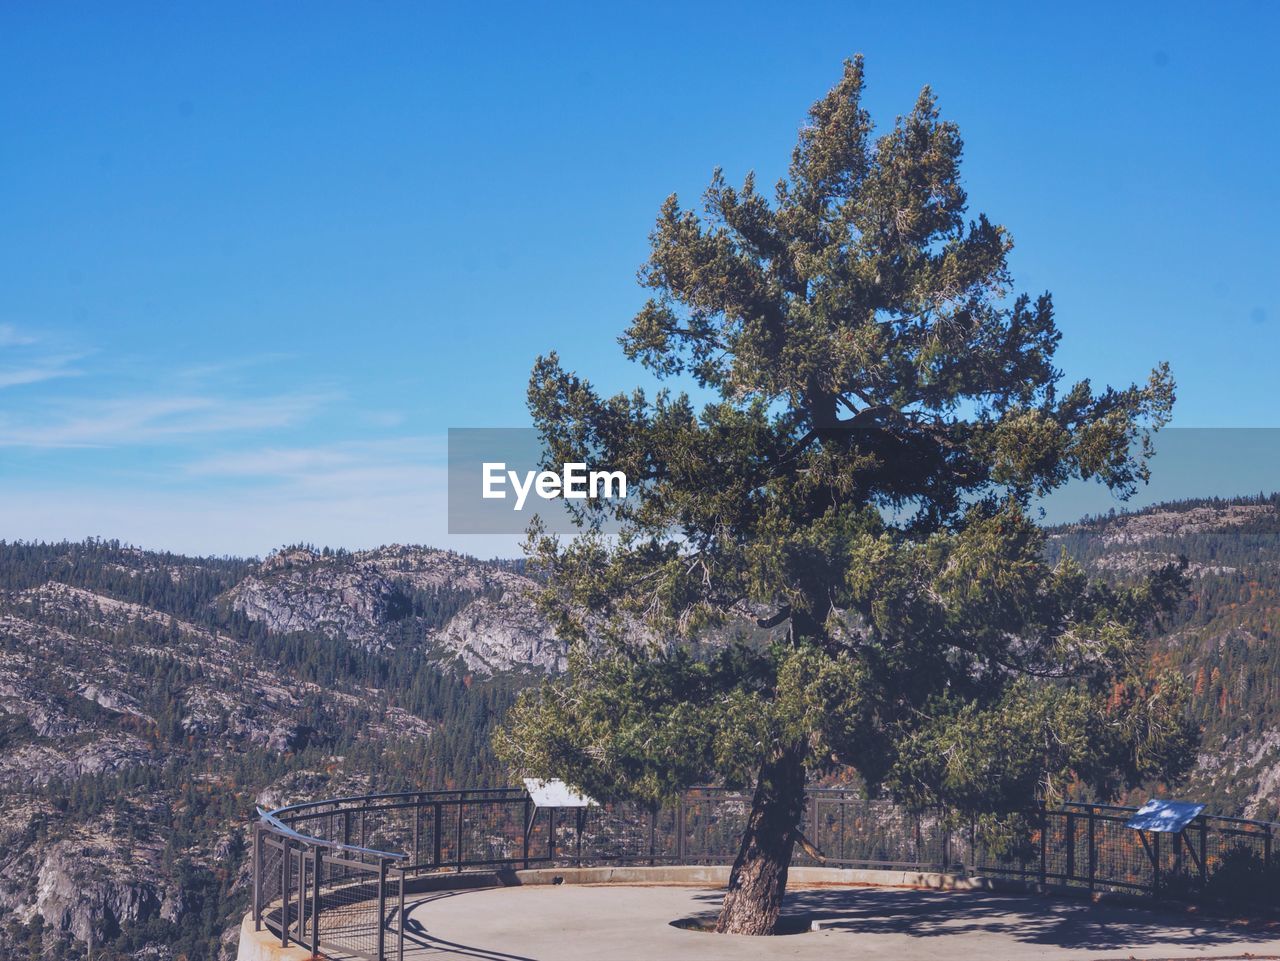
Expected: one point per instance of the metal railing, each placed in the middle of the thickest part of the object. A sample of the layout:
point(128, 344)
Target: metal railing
point(1088, 845)
point(332, 875)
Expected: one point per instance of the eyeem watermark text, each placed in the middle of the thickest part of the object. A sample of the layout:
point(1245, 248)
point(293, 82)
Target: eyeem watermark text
point(501, 478)
point(574, 482)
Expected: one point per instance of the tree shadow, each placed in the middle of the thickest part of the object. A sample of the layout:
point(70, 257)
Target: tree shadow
point(416, 935)
point(1028, 918)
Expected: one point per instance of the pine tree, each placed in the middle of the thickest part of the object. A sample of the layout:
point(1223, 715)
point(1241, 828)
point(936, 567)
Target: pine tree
point(883, 415)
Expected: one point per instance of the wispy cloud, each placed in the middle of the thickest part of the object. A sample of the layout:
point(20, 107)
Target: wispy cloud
point(11, 336)
point(148, 419)
point(17, 375)
point(26, 359)
point(358, 493)
point(292, 463)
point(212, 455)
point(220, 369)
point(245, 522)
point(403, 467)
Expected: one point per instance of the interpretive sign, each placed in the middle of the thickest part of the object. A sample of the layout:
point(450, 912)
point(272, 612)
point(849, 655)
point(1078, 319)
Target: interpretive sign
point(556, 794)
point(1165, 817)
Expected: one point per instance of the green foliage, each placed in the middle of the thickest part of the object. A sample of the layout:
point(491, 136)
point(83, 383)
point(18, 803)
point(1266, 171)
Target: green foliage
point(1243, 877)
point(883, 412)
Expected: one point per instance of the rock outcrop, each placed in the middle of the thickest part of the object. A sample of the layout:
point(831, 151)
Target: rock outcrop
point(377, 598)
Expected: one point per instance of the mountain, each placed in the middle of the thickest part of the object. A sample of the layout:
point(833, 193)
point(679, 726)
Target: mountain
point(1226, 637)
point(148, 701)
point(481, 614)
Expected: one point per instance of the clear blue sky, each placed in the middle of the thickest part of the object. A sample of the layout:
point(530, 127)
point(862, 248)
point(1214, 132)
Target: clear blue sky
point(256, 258)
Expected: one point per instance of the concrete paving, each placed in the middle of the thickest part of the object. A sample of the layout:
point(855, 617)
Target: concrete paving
point(587, 922)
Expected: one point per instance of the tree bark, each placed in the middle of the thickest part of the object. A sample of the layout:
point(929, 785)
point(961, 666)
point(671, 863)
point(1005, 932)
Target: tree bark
point(759, 876)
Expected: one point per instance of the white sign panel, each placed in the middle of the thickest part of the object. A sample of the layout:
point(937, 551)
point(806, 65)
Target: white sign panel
point(555, 794)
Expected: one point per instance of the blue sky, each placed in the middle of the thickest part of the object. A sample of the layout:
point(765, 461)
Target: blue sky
point(257, 258)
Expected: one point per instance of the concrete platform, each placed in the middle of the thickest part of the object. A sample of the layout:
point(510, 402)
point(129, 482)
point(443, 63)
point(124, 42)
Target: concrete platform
point(587, 922)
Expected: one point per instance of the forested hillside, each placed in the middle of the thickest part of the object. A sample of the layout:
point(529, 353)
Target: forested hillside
point(149, 701)
point(145, 710)
point(1226, 637)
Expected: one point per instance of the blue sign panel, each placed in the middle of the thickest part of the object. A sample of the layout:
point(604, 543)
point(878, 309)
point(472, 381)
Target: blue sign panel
point(1167, 817)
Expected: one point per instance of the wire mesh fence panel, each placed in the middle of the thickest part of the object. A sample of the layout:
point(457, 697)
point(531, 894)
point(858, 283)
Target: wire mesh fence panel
point(1122, 860)
point(713, 827)
point(492, 833)
point(1232, 848)
point(287, 914)
point(1059, 846)
point(349, 919)
point(448, 819)
point(933, 839)
point(568, 837)
point(388, 827)
point(270, 856)
point(960, 846)
point(858, 832)
point(1014, 854)
point(618, 834)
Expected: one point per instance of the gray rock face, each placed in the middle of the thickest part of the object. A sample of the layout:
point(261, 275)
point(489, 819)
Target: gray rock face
point(367, 598)
point(82, 888)
point(338, 601)
point(86, 880)
point(502, 635)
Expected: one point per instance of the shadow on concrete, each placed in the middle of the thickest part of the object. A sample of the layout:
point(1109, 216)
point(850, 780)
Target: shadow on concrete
point(419, 942)
point(1028, 918)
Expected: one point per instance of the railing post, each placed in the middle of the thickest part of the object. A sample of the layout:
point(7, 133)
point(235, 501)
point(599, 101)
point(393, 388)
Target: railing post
point(1044, 844)
point(1071, 845)
point(581, 816)
point(976, 862)
point(382, 909)
point(286, 865)
point(458, 841)
point(680, 829)
point(304, 895)
point(814, 831)
point(437, 813)
point(551, 835)
point(653, 834)
point(257, 877)
point(417, 830)
point(526, 828)
point(318, 870)
point(1155, 862)
point(1093, 850)
point(1266, 848)
point(400, 921)
point(1177, 851)
point(844, 804)
point(1204, 846)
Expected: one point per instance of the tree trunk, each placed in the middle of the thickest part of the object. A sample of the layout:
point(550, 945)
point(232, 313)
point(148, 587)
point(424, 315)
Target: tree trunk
point(759, 877)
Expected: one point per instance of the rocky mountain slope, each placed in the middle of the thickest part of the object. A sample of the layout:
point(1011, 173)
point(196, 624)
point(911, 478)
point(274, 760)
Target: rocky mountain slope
point(1226, 637)
point(369, 596)
point(148, 702)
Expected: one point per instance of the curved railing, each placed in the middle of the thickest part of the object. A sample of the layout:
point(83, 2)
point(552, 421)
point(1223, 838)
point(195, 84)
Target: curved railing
point(333, 874)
